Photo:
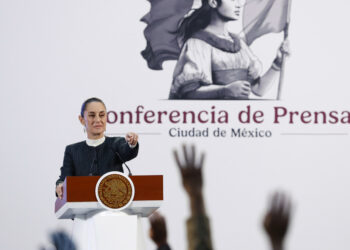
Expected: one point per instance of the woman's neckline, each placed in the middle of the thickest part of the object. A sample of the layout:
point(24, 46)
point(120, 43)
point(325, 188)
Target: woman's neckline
point(233, 45)
point(226, 36)
point(95, 142)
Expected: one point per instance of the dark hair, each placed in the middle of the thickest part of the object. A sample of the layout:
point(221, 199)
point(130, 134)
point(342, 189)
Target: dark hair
point(158, 227)
point(92, 99)
point(199, 19)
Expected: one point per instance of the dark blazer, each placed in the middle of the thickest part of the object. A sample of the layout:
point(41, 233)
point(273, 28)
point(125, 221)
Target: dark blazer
point(83, 160)
point(164, 247)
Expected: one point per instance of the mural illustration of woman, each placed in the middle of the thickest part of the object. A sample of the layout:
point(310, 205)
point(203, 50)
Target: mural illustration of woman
point(214, 63)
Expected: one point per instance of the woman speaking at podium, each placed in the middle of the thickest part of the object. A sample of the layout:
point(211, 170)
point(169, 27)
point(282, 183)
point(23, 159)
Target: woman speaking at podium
point(98, 154)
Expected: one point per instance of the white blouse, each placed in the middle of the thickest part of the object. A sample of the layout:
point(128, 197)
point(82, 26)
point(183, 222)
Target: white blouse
point(199, 61)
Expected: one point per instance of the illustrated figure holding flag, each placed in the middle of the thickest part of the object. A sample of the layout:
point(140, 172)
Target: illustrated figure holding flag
point(212, 62)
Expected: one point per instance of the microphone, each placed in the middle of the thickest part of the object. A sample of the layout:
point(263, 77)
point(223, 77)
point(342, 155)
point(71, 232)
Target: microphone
point(130, 174)
point(94, 162)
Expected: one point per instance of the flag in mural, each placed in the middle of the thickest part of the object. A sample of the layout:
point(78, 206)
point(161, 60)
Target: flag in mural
point(261, 17)
point(162, 22)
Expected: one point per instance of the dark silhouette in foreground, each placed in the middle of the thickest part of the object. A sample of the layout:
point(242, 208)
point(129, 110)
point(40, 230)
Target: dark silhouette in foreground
point(276, 220)
point(158, 231)
point(198, 227)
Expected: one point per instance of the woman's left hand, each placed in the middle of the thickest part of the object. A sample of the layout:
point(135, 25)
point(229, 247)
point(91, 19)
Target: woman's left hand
point(131, 138)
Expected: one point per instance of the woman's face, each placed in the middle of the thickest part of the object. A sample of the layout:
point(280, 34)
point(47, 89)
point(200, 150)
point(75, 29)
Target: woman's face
point(231, 9)
point(94, 120)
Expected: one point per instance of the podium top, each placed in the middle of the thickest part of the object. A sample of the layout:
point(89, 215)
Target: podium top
point(79, 191)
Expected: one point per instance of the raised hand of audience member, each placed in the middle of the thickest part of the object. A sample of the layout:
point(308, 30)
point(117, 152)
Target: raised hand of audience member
point(276, 220)
point(191, 174)
point(198, 228)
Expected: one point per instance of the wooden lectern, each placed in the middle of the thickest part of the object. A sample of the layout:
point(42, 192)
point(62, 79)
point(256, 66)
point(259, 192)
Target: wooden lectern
point(96, 228)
